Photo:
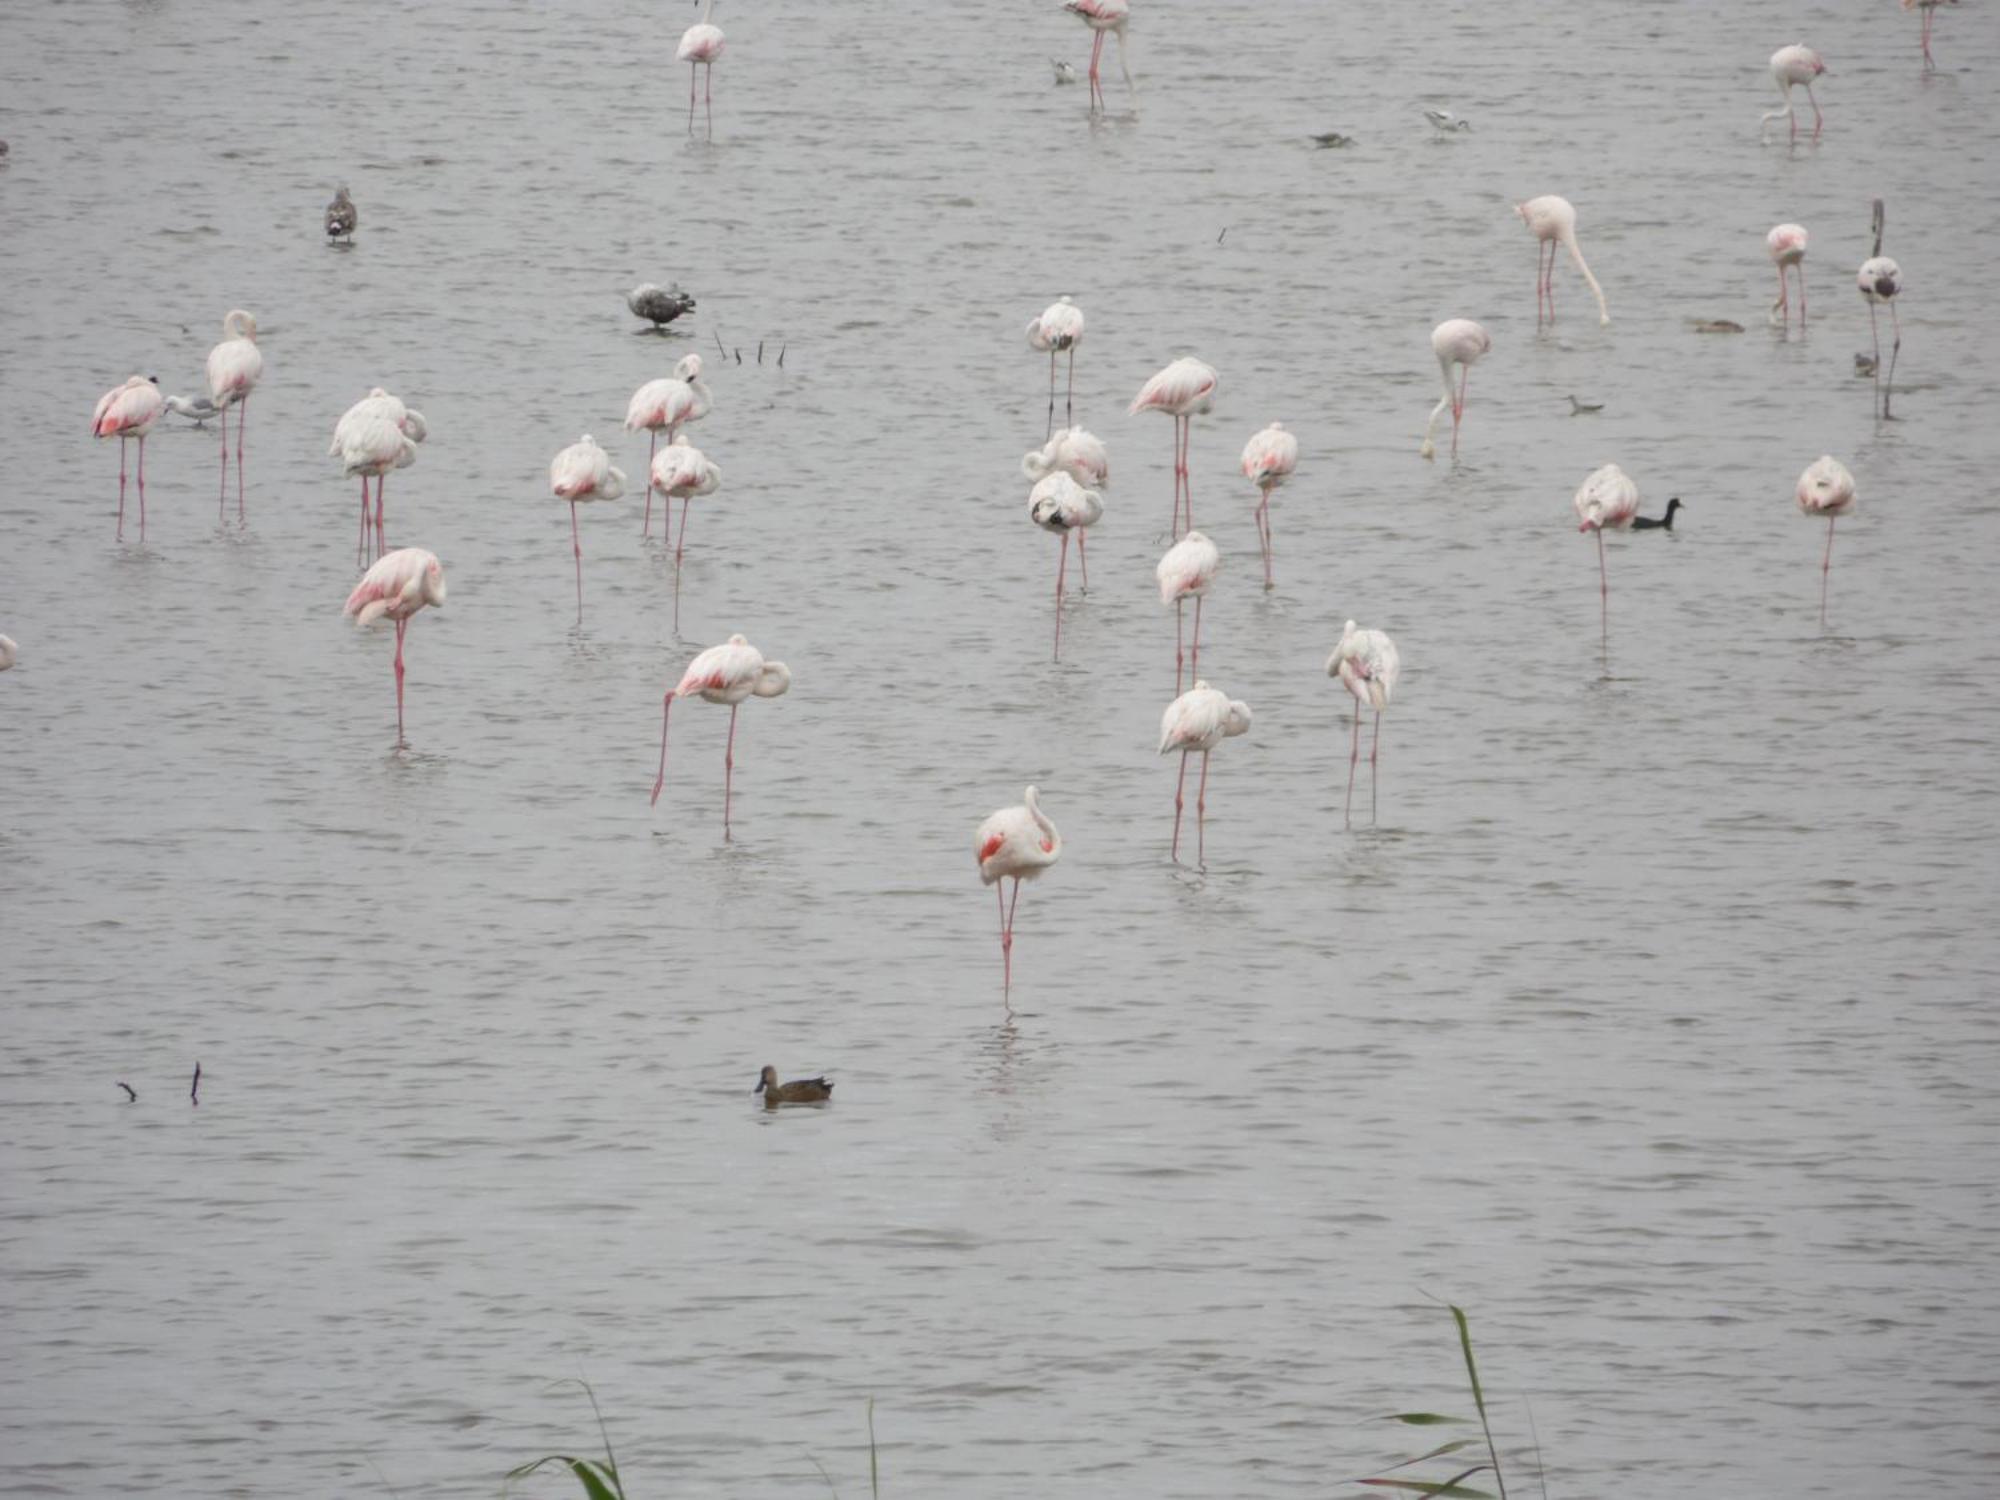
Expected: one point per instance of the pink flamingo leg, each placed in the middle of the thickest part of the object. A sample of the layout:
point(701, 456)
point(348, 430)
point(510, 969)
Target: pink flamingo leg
point(121, 486)
point(1049, 431)
point(242, 419)
point(1458, 408)
point(691, 91)
point(222, 480)
point(1174, 530)
point(361, 536)
point(1180, 656)
point(708, 97)
point(1194, 658)
point(576, 543)
point(1081, 537)
point(1264, 536)
point(682, 537)
point(1802, 294)
point(142, 480)
point(1895, 348)
point(1825, 567)
point(1374, 756)
point(1187, 485)
point(1096, 89)
point(666, 714)
point(1353, 759)
point(381, 529)
point(1006, 940)
point(1819, 120)
point(1180, 788)
point(1603, 593)
point(1062, 564)
point(401, 627)
point(1201, 817)
point(652, 447)
point(728, 769)
point(1069, 391)
point(1007, 946)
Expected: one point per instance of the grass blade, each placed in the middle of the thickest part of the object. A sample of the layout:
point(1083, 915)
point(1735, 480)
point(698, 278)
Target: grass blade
point(874, 1473)
point(1423, 1418)
point(1434, 1453)
point(1478, 1396)
point(587, 1470)
point(1450, 1487)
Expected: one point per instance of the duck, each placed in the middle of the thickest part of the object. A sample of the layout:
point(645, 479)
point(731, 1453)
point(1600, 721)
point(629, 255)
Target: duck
point(1717, 325)
point(1658, 523)
point(798, 1091)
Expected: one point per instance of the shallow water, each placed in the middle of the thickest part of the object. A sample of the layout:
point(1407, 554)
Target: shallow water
point(1652, 1021)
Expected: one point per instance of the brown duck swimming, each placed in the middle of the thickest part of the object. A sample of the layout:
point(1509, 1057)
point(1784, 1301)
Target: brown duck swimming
point(798, 1091)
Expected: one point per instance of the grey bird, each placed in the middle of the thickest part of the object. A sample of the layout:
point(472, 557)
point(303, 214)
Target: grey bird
point(1333, 138)
point(1065, 72)
point(658, 306)
point(197, 409)
point(1446, 121)
point(1583, 408)
point(341, 217)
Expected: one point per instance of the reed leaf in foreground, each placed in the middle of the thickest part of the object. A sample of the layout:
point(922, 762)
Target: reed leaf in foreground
point(1455, 1485)
point(599, 1478)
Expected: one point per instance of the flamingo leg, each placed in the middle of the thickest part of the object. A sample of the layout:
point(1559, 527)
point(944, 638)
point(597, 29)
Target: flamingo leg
point(1081, 536)
point(1818, 119)
point(1895, 348)
point(1180, 657)
point(1012, 902)
point(1180, 788)
point(708, 97)
point(381, 530)
point(1604, 593)
point(1061, 564)
point(1825, 567)
point(1201, 817)
point(121, 486)
point(142, 480)
point(1928, 13)
point(666, 715)
point(401, 627)
point(222, 480)
point(576, 544)
point(691, 68)
point(1049, 431)
point(1353, 759)
point(242, 418)
point(728, 769)
point(682, 536)
point(1096, 89)
point(1194, 656)
point(1458, 407)
point(1875, 333)
point(1069, 390)
point(1374, 756)
point(1006, 940)
point(1264, 535)
point(652, 448)
point(1802, 295)
point(1174, 530)
point(1187, 484)
point(361, 536)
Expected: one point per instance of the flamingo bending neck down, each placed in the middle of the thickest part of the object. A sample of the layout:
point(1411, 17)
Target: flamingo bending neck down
point(1199, 720)
point(1460, 342)
point(1786, 245)
point(1269, 459)
point(1182, 390)
point(397, 587)
point(1552, 220)
point(1059, 504)
point(126, 411)
point(1790, 67)
point(1017, 844)
point(1608, 498)
point(1102, 16)
point(701, 44)
point(581, 472)
point(1826, 488)
point(1367, 665)
point(728, 673)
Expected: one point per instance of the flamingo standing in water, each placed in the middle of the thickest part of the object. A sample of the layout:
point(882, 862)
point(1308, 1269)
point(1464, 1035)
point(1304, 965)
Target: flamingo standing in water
point(583, 471)
point(728, 673)
point(1182, 390)
point(1017, 844)
point(398, 586)
point(682, 471)
point(126, 411)
point(1826, 488)
point(701, 44)
point(1786, 245)
point(667, 405)
point(234, 366)
point(1607, 498)
point(1460, 342)
point(1200, 719)
point(1552, 220)
point(1879, 280)
point(376, 434)
point(1269, 459)
point(1187, 570)
point(1367, 665)
point(1058, 330)
point(1060, 505)
point(9, 653)
point(1102, 16)
point(1791, 66)
point(1929, 8)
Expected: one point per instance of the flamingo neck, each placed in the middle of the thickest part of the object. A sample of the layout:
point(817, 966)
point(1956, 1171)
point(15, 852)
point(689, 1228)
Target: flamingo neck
point(1575, 254)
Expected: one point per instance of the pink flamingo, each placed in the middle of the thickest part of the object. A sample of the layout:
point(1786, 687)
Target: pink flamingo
point(1102, 16)
point(374, 435)
point(1058, 330)
point(701, 44)
point(1786, 245)
point(1016, 843)
point(1879, 280)
point(1187, 570)
point(1552, 220)
point(234, 366)
point(1791, 66)
point(126, 411)
point(1079, 454)
point(684, 471)
point(1929, 8)
point(666, 406)
point(728, 673)
point(9, 653)
point(1460, 342)
point(397, 586)
point(1060, 505)
point(1607, 498)
point(1182, 390)
point(1367, 665)
point(1269, 459)
point(1200, 719)
point(583, 471)
point(1826, 488)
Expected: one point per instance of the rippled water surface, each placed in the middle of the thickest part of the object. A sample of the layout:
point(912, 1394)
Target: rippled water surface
point(1653, 1021)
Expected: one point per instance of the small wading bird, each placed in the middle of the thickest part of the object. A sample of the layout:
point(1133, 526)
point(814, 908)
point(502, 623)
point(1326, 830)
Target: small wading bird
point(1552, 220)
point(1460, 342)
point(341, 217)
point(1182, 390)
point(1790, 67)
point(666, 405)
point(1060, 505)
point(1367, 665)
point(658, 306)
point(1017, 844)
point(1269, 459)
point(1445, 122)
point(1607, 498)
point(1199, 720)
point(197, 409)
point(1187, 571)
point(728, 673)
point(397, 587)
point(701, 44)
point(234, 366)
point(1658, 523)
point(1058, 330)
point(798, 1091)
point(1102, 16)
point(1879, 280)
point(127, 411)
point(1786, 245)
point(376, 434)
point(1929, 8)
point(1065, 72)
point(581, 472)
point(1826, 488)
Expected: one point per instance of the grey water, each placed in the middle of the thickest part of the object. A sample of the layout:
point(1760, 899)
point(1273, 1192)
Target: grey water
point(1653, 1018)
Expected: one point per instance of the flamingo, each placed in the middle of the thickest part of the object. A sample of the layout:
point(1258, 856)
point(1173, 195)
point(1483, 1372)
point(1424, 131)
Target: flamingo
point(1826, 488)
point(1786, 245)
point(1461, 342)
point(1102, 16)
point(701, 44)
point(1367, 665)
point(1016, 843)
point(1879, 280)
point(728, 673)
point(341, 218)
point(1607, 498)
point(376, 434)
point(1073, 451)
point(1200, 719)
point(682, 470)
point(1929, 8)
point(667, 405)
point(397, 586)
point(1187, 569)
point(1183, 389)
point(126, 411)
point(9, 653)
point(1552, 219)
point(234, 366)
point(583, 471)
point(1791, 66)
point(1269, 459)
point(1060, 505)
point(1058, 330)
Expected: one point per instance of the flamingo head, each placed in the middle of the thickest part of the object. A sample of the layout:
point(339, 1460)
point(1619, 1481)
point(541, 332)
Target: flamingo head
point(240, 325)
point(689, 369)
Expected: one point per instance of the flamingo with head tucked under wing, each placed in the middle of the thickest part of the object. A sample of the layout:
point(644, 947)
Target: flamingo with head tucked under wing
point(1182, 390)
point(1017, 844)
point(581, 472)
point(396, 588)
point(728, 673)
point(1199, 720)
point(1367, 665)
point(127, 411)
point(234, 367)
point(1269, 459)
point(701, 44)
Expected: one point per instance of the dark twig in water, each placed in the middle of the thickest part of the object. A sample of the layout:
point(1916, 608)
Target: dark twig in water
point(739, 356)
point(781, 356)
point(194, 1089)
point(131, 1094)
point(1225, 230)
point(760, 351)
point(718, 343)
